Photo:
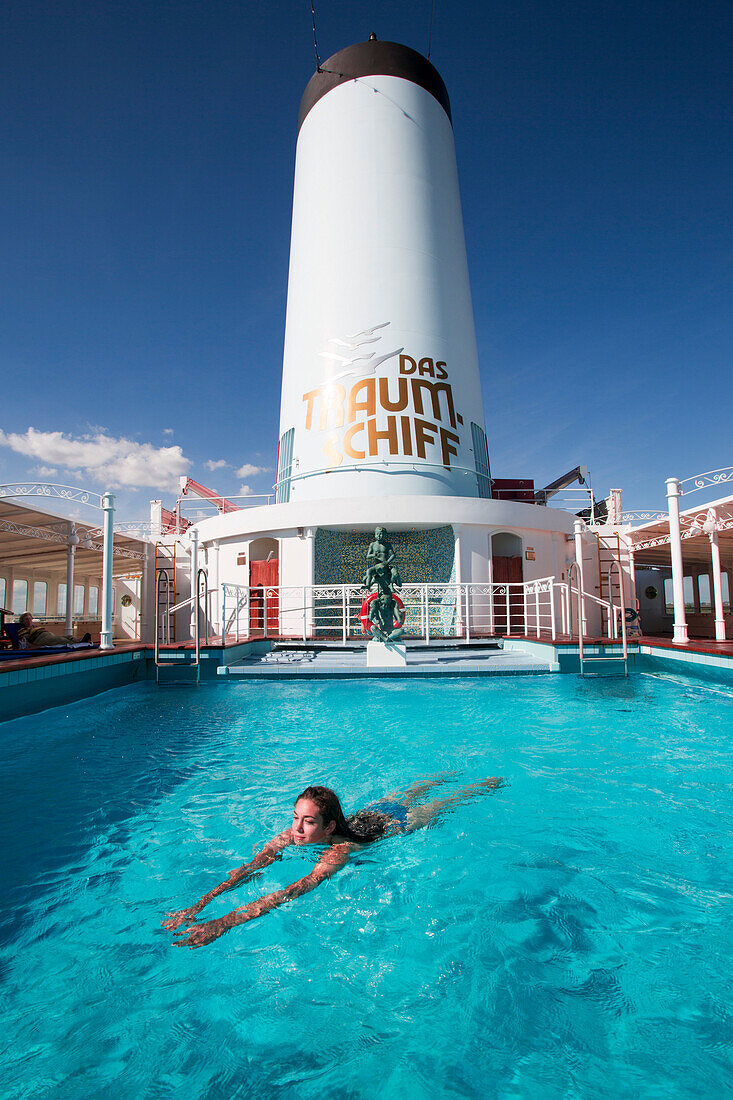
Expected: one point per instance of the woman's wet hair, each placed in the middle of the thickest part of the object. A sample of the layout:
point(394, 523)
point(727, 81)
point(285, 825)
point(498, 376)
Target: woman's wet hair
point(363, 827)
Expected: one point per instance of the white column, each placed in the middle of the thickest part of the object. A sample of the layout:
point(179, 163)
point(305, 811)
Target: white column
point(717, 583)
point(631, 602)
point(108, 506)
point(194, 580)
point(457, 552)
point(578, 529)
point(675, 547)
point(156, 518)
point(615, 509)
point(460, 625)
point(309, 624)
point(216, 590)
point(70, 551)
point(146, 594)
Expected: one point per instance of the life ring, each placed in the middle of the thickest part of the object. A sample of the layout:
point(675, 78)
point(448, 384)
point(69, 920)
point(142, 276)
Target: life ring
point(631, 614)
point(366, 625)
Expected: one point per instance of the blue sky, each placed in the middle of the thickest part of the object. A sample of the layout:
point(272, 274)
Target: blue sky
point(146, 184)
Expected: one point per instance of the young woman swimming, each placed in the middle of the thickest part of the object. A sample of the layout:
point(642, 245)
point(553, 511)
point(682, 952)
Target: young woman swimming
point(318, 819)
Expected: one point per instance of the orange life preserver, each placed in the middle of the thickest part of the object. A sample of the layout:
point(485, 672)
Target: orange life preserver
point(366, 625)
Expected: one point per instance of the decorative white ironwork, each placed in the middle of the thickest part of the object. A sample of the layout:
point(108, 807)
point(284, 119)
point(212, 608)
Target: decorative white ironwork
point(137, 528)
point(691, 526)
point(118, 551)
point(47, 534)
point(532, 587)
point(60, 492)
point(643, 517)
point(706, 480)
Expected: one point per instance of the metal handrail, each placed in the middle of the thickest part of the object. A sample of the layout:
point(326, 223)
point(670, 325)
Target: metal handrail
point(201, 573)
point(472, 607)
point(159, 575)
point(579, 590)
point(193, 600)
point(623, 613)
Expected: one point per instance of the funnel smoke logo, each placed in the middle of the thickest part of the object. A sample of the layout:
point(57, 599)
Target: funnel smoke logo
point(364, 363)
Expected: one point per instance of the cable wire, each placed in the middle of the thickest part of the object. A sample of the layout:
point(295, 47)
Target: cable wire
point(430, 32)
point(315, 41)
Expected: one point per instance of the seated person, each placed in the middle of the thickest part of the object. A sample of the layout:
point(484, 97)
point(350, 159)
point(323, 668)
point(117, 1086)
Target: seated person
point(37, 637)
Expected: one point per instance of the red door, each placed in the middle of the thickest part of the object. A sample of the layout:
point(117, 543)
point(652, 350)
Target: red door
point(505, 571)
point(263, 575)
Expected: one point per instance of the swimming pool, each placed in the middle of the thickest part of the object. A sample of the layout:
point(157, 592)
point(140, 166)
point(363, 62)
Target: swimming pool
point(567, 936)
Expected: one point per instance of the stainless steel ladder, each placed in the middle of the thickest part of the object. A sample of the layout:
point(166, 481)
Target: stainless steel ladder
point(624, 655)
point(160, 660)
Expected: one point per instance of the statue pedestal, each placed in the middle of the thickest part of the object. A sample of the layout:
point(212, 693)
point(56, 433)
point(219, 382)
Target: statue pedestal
point(386, 655)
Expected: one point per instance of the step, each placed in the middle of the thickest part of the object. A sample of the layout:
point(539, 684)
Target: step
point(457, 661)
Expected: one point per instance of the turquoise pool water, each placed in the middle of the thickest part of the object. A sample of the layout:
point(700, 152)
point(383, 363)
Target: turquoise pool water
point(567, 936)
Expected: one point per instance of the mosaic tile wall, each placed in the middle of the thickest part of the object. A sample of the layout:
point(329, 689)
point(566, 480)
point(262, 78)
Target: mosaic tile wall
point(423, 557)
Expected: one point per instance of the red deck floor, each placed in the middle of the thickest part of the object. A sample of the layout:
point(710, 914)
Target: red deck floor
point(697, 645)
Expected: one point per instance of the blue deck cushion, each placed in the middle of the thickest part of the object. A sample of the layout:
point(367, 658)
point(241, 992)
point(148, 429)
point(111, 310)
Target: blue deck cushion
point(23, 654)
point(11, 631)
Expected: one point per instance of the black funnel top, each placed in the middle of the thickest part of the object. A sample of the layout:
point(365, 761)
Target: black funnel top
point(374, 58)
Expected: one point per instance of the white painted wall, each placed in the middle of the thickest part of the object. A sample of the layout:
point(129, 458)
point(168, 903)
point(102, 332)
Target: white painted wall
point(377, 269)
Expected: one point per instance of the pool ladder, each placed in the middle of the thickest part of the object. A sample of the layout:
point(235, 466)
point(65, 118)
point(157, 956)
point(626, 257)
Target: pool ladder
point(624, 655)
point(202, 586)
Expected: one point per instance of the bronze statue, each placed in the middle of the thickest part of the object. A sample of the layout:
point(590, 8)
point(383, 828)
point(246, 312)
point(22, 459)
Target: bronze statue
point(381, 567)
point(384, 612)
point(386, 618)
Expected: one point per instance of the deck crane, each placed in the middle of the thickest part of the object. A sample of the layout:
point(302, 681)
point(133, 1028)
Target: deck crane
point(188, 485)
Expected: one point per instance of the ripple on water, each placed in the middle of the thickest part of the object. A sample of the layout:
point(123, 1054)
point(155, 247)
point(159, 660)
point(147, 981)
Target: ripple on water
point(529, 944)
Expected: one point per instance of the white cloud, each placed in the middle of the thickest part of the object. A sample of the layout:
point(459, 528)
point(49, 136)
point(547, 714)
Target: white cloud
point(217, 464)
point(248, 470)
point(167, 431)
point(245, 491)
point(115, 463)
point(45, 471)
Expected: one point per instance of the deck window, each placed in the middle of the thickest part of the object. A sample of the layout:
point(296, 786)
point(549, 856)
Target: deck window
point(40, 589)
point(2, 591)
point(79, 600)
point(688, 589)
point(481, 460)
point(285, 466)
point(20, 597)
point(703, 593)
point(93, 601)
point(725, 588)
point(61, 599)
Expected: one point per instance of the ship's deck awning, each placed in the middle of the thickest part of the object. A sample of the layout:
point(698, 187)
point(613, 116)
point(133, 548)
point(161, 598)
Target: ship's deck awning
point(651, 539)
point(35, 540)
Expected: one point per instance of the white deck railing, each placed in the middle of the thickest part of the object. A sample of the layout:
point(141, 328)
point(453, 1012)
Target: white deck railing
point(332, 611)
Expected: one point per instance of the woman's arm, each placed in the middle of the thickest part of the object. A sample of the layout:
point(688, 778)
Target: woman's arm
point(328, 864)
point(271, 852)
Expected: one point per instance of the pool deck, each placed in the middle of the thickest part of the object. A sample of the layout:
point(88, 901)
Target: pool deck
point(461, 651)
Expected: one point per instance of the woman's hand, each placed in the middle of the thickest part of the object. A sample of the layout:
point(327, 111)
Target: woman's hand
point(183, 916)
point(199, 934)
